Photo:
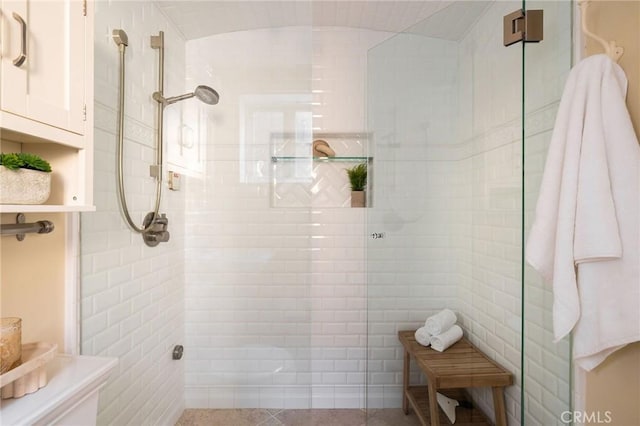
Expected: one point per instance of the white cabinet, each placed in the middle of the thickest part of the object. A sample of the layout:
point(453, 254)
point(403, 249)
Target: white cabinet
point(48, 86)
point(46, 100)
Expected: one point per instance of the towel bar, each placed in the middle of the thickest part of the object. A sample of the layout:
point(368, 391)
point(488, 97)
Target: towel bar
point(19, 229)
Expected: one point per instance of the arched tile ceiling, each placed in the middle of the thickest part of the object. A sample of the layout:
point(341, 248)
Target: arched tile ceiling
point(196, 19)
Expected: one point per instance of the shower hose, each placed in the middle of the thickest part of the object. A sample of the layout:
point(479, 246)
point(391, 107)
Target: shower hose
point(120, 158)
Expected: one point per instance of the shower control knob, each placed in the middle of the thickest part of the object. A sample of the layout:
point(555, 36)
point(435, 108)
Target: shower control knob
point(156, 229)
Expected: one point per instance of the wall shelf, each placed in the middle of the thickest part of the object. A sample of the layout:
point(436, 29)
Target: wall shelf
point(324, 159)
point(304, 177)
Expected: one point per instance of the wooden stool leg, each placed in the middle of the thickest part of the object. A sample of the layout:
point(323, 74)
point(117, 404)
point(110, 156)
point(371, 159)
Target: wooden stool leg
point(499, 406)
point(433, 405)
point(405, 382)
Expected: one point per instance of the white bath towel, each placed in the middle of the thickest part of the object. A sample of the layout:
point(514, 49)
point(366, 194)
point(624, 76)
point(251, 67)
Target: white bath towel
point(585, 236)
point(443, 341)
point(423, 336)
point(440, 322)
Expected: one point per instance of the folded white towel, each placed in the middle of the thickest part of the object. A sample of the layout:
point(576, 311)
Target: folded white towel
point(423, 336)
point(443, 341)
point(440, 322)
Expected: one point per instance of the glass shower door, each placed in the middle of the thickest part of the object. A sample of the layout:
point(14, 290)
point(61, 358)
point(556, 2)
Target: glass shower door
point(446, 114)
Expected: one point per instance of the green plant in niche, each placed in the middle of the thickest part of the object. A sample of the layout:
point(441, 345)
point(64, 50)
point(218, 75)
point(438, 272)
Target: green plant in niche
point(24, 160)
point(358, 177)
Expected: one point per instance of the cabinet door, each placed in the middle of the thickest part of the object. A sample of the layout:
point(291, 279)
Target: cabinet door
point(49, 86)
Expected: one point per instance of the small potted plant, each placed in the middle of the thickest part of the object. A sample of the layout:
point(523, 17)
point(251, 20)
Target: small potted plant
point(358, 179)
point(24, 179)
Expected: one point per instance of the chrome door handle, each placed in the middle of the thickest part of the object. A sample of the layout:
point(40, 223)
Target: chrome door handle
point(23, 45)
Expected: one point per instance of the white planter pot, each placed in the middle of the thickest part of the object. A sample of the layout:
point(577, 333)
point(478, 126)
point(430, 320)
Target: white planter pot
point(24, 186)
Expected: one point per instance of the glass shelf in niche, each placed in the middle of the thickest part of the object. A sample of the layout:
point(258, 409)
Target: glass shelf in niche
point(323, 159)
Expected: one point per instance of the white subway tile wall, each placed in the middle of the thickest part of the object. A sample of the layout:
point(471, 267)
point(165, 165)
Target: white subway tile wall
point(133, 295)
point(275, 295)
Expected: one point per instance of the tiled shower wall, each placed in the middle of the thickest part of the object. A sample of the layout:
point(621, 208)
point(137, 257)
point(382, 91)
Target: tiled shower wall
point(133, 295)
point(275, 296)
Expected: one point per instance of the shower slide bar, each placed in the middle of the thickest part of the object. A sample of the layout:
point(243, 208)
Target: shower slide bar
point(612, 50)
point(19, 229)
point(154, 226)
point(122, 41)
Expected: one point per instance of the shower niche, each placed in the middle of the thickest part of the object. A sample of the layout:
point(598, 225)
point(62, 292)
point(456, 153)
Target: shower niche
point(304, 177)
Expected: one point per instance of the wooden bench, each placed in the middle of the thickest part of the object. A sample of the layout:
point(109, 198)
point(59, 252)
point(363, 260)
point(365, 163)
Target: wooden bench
point(460, 366)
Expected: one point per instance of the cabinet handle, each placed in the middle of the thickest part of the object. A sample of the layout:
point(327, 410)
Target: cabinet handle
point(23, 45)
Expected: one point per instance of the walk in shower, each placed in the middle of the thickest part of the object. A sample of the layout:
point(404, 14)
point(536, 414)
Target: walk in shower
point(283, 296)
point(451, 110)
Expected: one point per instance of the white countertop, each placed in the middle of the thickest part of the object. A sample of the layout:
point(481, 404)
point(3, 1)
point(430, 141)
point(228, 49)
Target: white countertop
point(70, 379)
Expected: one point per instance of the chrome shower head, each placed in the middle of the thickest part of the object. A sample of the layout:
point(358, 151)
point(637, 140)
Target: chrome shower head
point(204, 93)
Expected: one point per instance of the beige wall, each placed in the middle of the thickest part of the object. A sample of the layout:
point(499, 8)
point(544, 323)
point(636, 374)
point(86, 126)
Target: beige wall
point(32, 286)
point(615, 384)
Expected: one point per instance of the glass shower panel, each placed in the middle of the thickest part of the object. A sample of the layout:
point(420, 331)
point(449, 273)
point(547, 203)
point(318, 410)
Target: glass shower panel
point(547, 365)
point(248, 260)
point(412, 99)
point(445, 103)
point(490, 291)
point(444, 111)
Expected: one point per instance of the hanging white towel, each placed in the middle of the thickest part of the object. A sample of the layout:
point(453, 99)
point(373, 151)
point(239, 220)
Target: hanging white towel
point(585, 236)
point(423, 336)
point(440, 322)
point(443, 341)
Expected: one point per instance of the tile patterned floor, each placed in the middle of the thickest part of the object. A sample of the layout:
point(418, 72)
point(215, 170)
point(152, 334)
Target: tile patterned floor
point(271, 417)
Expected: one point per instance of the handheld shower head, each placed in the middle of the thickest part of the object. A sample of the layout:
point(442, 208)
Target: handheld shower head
point(120, 37)
point(204, 93)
